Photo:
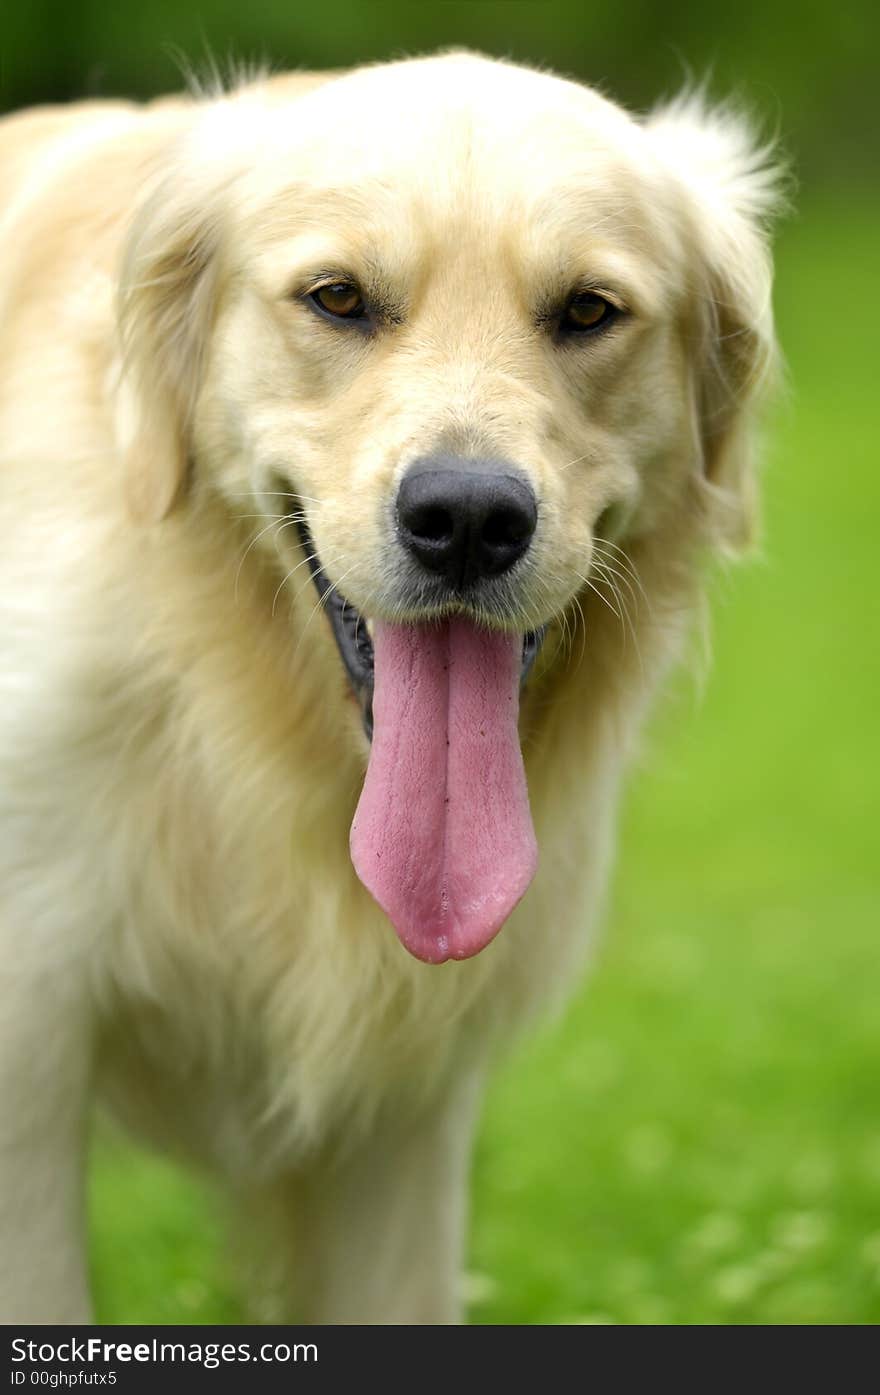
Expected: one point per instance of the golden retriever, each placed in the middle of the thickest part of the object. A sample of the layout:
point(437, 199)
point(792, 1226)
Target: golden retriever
point(362, 436)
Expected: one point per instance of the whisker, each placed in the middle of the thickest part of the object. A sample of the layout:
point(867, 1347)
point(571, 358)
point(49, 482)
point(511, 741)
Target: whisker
point(606, 542)
point(273, 523)
point(625, 618)
point(288, 523)
point(273, 494)
point(278, 521)
point(603, 566)
point(308, 580)
point(566, 635)
point(623, 559)
point(606, 579)
point(310, 557)
point(602, 598)
point(322, 601)
point(297, 516)
point(571, 463)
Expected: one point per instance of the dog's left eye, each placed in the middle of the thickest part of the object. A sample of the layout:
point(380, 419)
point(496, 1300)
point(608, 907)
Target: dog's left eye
point(342, 300)
point(587, 311)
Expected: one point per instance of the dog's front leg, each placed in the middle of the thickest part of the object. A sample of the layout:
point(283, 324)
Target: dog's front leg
point(44, 1074)
point(378, 1230)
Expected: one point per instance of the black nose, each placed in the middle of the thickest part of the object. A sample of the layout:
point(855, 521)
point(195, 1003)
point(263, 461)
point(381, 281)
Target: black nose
point(465, 519)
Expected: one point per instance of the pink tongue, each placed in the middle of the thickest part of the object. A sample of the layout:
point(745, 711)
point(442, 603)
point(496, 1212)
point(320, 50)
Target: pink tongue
point(442, 836)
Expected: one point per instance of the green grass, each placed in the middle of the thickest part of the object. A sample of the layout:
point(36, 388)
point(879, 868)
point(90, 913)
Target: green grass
point(699, 1139)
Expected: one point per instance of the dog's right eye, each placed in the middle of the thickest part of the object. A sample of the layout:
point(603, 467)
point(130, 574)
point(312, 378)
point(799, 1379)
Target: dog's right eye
point(586, 312)
point(341, 299)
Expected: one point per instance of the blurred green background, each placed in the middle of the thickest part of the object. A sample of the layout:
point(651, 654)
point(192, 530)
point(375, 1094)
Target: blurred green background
point(698, 1140)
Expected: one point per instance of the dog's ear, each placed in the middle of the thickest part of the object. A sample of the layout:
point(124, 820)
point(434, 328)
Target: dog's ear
point(731, 185)
point(168, 293)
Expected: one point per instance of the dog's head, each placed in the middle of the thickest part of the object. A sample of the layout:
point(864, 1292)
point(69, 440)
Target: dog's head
point(470, 329)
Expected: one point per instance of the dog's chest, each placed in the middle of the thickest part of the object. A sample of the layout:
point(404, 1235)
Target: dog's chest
point(246, 1035)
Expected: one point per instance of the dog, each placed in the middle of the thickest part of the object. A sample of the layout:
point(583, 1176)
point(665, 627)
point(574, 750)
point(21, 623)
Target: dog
point(363, 439)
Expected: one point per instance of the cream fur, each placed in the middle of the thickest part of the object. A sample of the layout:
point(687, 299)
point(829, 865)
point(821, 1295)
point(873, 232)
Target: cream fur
point(180, 926)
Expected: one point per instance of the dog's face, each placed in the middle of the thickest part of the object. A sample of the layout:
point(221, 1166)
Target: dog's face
point(471, 327)
point(447, 262)
point(413, 301)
